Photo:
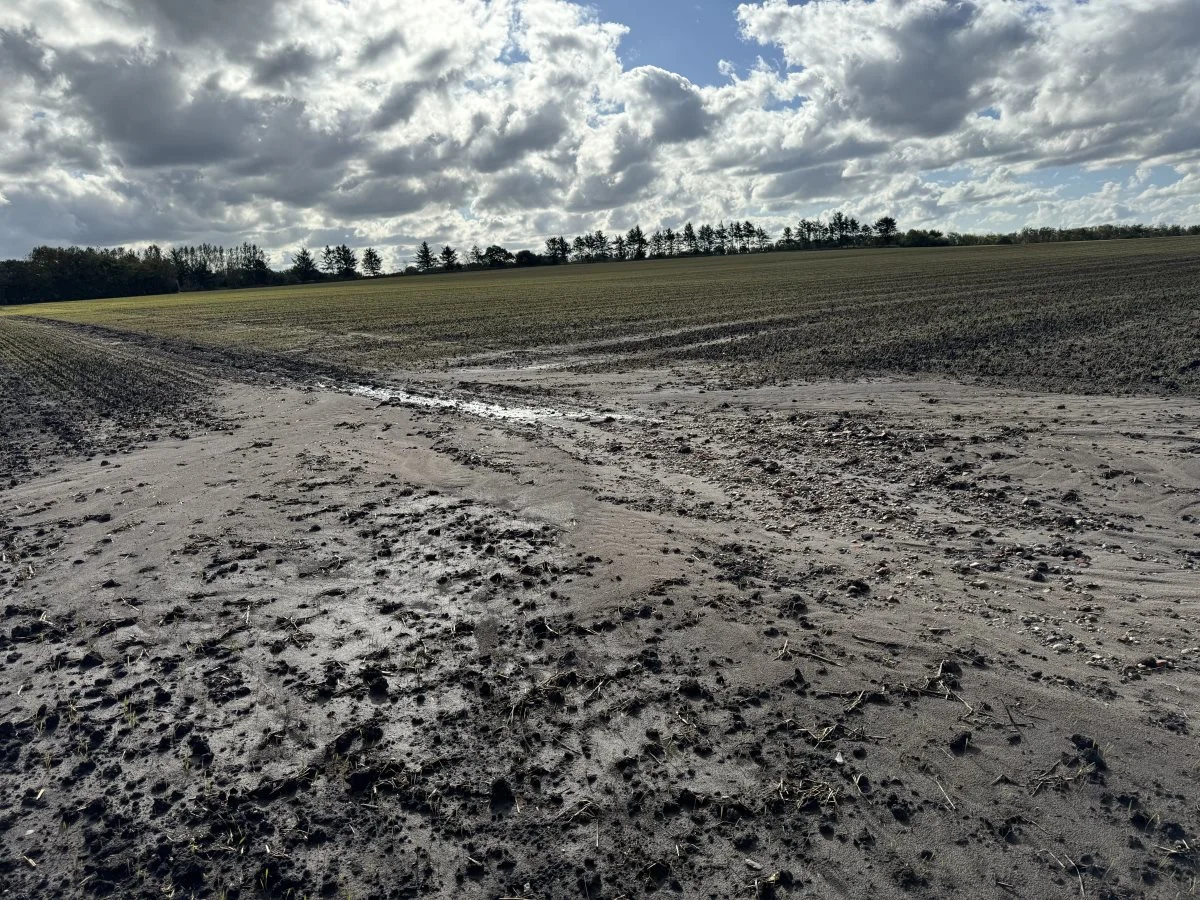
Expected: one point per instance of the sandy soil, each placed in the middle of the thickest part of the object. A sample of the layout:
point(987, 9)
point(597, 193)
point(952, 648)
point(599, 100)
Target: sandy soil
point(608, 636)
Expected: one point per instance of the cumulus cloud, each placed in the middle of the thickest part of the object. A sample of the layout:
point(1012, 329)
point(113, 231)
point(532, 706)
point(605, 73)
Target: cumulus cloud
point(671, 105)
point(285, 64)
point(385, 121)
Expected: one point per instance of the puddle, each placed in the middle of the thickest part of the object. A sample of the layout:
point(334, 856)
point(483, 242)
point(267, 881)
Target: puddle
point(471, 407)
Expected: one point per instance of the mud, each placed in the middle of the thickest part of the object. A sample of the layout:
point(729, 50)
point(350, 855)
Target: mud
point(890, 638)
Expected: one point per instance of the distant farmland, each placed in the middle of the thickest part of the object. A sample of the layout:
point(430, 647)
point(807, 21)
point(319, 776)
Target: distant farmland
point(1099, 316)
point(604, 589)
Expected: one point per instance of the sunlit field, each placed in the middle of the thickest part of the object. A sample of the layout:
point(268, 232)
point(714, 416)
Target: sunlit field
point(1088, 316)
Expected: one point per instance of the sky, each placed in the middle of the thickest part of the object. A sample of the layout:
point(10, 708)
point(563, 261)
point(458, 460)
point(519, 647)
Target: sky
point(688, 37)
point(387, 122)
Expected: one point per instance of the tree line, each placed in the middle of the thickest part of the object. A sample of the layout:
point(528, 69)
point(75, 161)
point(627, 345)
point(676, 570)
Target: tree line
point(86, 273)
point(841, 231)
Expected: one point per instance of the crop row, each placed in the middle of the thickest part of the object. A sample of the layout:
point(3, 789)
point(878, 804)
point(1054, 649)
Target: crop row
point(50, 363)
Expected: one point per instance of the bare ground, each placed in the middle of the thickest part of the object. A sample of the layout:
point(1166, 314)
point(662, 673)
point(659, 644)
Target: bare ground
point(601, 636)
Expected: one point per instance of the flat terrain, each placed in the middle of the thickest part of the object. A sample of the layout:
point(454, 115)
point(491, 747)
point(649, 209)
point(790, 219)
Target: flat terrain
point(818, 575)
point(1102, 316)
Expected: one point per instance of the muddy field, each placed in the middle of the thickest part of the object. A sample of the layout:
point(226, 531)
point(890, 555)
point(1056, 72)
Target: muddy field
point(540, 628)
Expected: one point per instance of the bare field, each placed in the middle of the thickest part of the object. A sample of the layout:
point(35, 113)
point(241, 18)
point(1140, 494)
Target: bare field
point(704, 581)
point(1104, 316)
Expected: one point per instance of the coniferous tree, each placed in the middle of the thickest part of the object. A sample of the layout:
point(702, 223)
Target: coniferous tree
point(329, 260)
point(347, 261)
point(656, 244)
point(424, 258)
point(372, 263)
point(636, 243)
point(690, 242)
point(448, 258)
point(304, 267)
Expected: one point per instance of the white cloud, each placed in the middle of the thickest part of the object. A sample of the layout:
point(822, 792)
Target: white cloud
point(388, 121)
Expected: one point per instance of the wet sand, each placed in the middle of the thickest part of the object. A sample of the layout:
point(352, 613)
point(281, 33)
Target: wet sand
point(532, 633)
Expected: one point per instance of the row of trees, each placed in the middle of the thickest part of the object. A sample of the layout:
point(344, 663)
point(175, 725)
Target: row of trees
point(336, 262)
point(841, 231)
point(447, 259)
point(77, 273)
point(722, 240)
point(87, 273)
point(83, 273)
point(208, 266)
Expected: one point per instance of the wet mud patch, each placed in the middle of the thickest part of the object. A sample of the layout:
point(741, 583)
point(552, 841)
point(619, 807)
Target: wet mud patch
point(830, 650)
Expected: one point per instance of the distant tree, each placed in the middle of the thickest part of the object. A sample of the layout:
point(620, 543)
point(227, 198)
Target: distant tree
point(496, 257)
point(424, 258)
point(721, 239)
point(372, 262)
point(260, 267)
point(636, 243)
point(562, 251)
point(304, 268)
point(735, 237)
point(705, 239)
point(787, 240)
point(579, 249)
point(656, 244)
point(557, 250)
point(347, 261)
point(762, 240)
point(839, 227)
point(475, 257)
point(526, 258)
point(448, 258)
point(600, 247)
point(670, 240)
point(690, 243)
point(885, 229)
point(916, 237)
point(329, 261)
point(806, 233)
point(620, 249)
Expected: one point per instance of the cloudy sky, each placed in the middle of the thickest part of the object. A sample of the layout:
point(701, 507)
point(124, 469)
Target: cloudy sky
point(385, 122)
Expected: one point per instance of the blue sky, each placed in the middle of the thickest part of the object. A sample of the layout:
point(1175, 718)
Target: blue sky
point(692, 37)
point(689, 37)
